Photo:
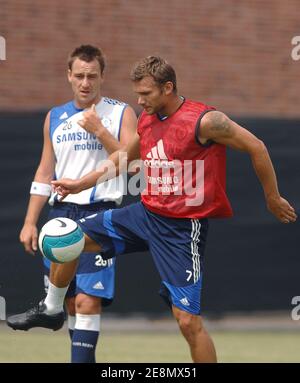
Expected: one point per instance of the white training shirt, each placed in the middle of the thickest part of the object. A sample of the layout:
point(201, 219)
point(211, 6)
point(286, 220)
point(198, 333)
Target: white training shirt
point(78, 152)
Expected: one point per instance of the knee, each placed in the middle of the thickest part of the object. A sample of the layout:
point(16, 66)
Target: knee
point(186, 322)
point(87, 304)
point(189, 324)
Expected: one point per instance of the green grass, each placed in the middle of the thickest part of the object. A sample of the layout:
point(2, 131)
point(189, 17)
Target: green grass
point(258, 346)
point(253, 346)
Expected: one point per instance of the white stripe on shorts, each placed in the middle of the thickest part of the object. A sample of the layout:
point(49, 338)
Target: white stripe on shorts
point(196, 227)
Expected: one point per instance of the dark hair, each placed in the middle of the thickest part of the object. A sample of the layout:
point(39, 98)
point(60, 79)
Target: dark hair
point(87, 53)
point(156, 67)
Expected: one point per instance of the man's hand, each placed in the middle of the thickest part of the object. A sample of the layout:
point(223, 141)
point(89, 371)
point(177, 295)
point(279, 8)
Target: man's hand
point(66, 186)
point(29, 238)
point(91, 121)
point(281, 209)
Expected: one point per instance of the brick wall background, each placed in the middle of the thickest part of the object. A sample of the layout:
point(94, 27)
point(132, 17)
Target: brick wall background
point(232, 54)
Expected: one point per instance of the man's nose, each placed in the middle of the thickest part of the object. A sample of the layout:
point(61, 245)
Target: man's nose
point(140, 100)
point(85, 82)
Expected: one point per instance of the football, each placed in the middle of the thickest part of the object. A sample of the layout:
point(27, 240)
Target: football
point(61, 240)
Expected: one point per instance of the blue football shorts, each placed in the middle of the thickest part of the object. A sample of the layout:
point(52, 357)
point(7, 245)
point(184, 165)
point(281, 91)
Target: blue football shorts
point(176, 245)
point(95, 276)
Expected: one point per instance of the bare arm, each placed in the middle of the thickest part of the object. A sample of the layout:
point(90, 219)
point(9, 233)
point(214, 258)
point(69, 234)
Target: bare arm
point(91, 123)
point(44, 174)
point(218, 127)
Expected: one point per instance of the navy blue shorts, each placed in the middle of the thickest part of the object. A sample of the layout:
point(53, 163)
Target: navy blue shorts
point(95, 276)
point(177, 247)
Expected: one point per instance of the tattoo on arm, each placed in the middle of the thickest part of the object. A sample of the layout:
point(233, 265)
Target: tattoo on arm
point(219, 124)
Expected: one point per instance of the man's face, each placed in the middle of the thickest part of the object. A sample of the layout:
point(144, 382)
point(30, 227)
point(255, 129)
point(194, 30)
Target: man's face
point(151, 96)
point(85, 79)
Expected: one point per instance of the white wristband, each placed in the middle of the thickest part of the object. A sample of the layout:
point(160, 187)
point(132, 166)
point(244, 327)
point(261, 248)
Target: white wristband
point(40, 189)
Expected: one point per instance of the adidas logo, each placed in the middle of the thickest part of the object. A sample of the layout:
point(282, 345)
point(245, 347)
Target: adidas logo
point(98, 286)
point(63, 116)
point(184, 301)
point(157, 157)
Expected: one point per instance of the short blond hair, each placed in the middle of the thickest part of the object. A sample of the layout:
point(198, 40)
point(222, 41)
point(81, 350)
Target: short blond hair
point(156, 67)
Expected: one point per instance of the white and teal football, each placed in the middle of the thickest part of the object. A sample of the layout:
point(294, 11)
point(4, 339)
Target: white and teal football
point(61, 240)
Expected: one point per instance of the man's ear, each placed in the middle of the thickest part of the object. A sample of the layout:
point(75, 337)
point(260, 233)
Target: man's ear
point(69, 75)
point(168, 88)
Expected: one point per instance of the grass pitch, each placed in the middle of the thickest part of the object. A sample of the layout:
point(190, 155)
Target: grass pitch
point(40, 345)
